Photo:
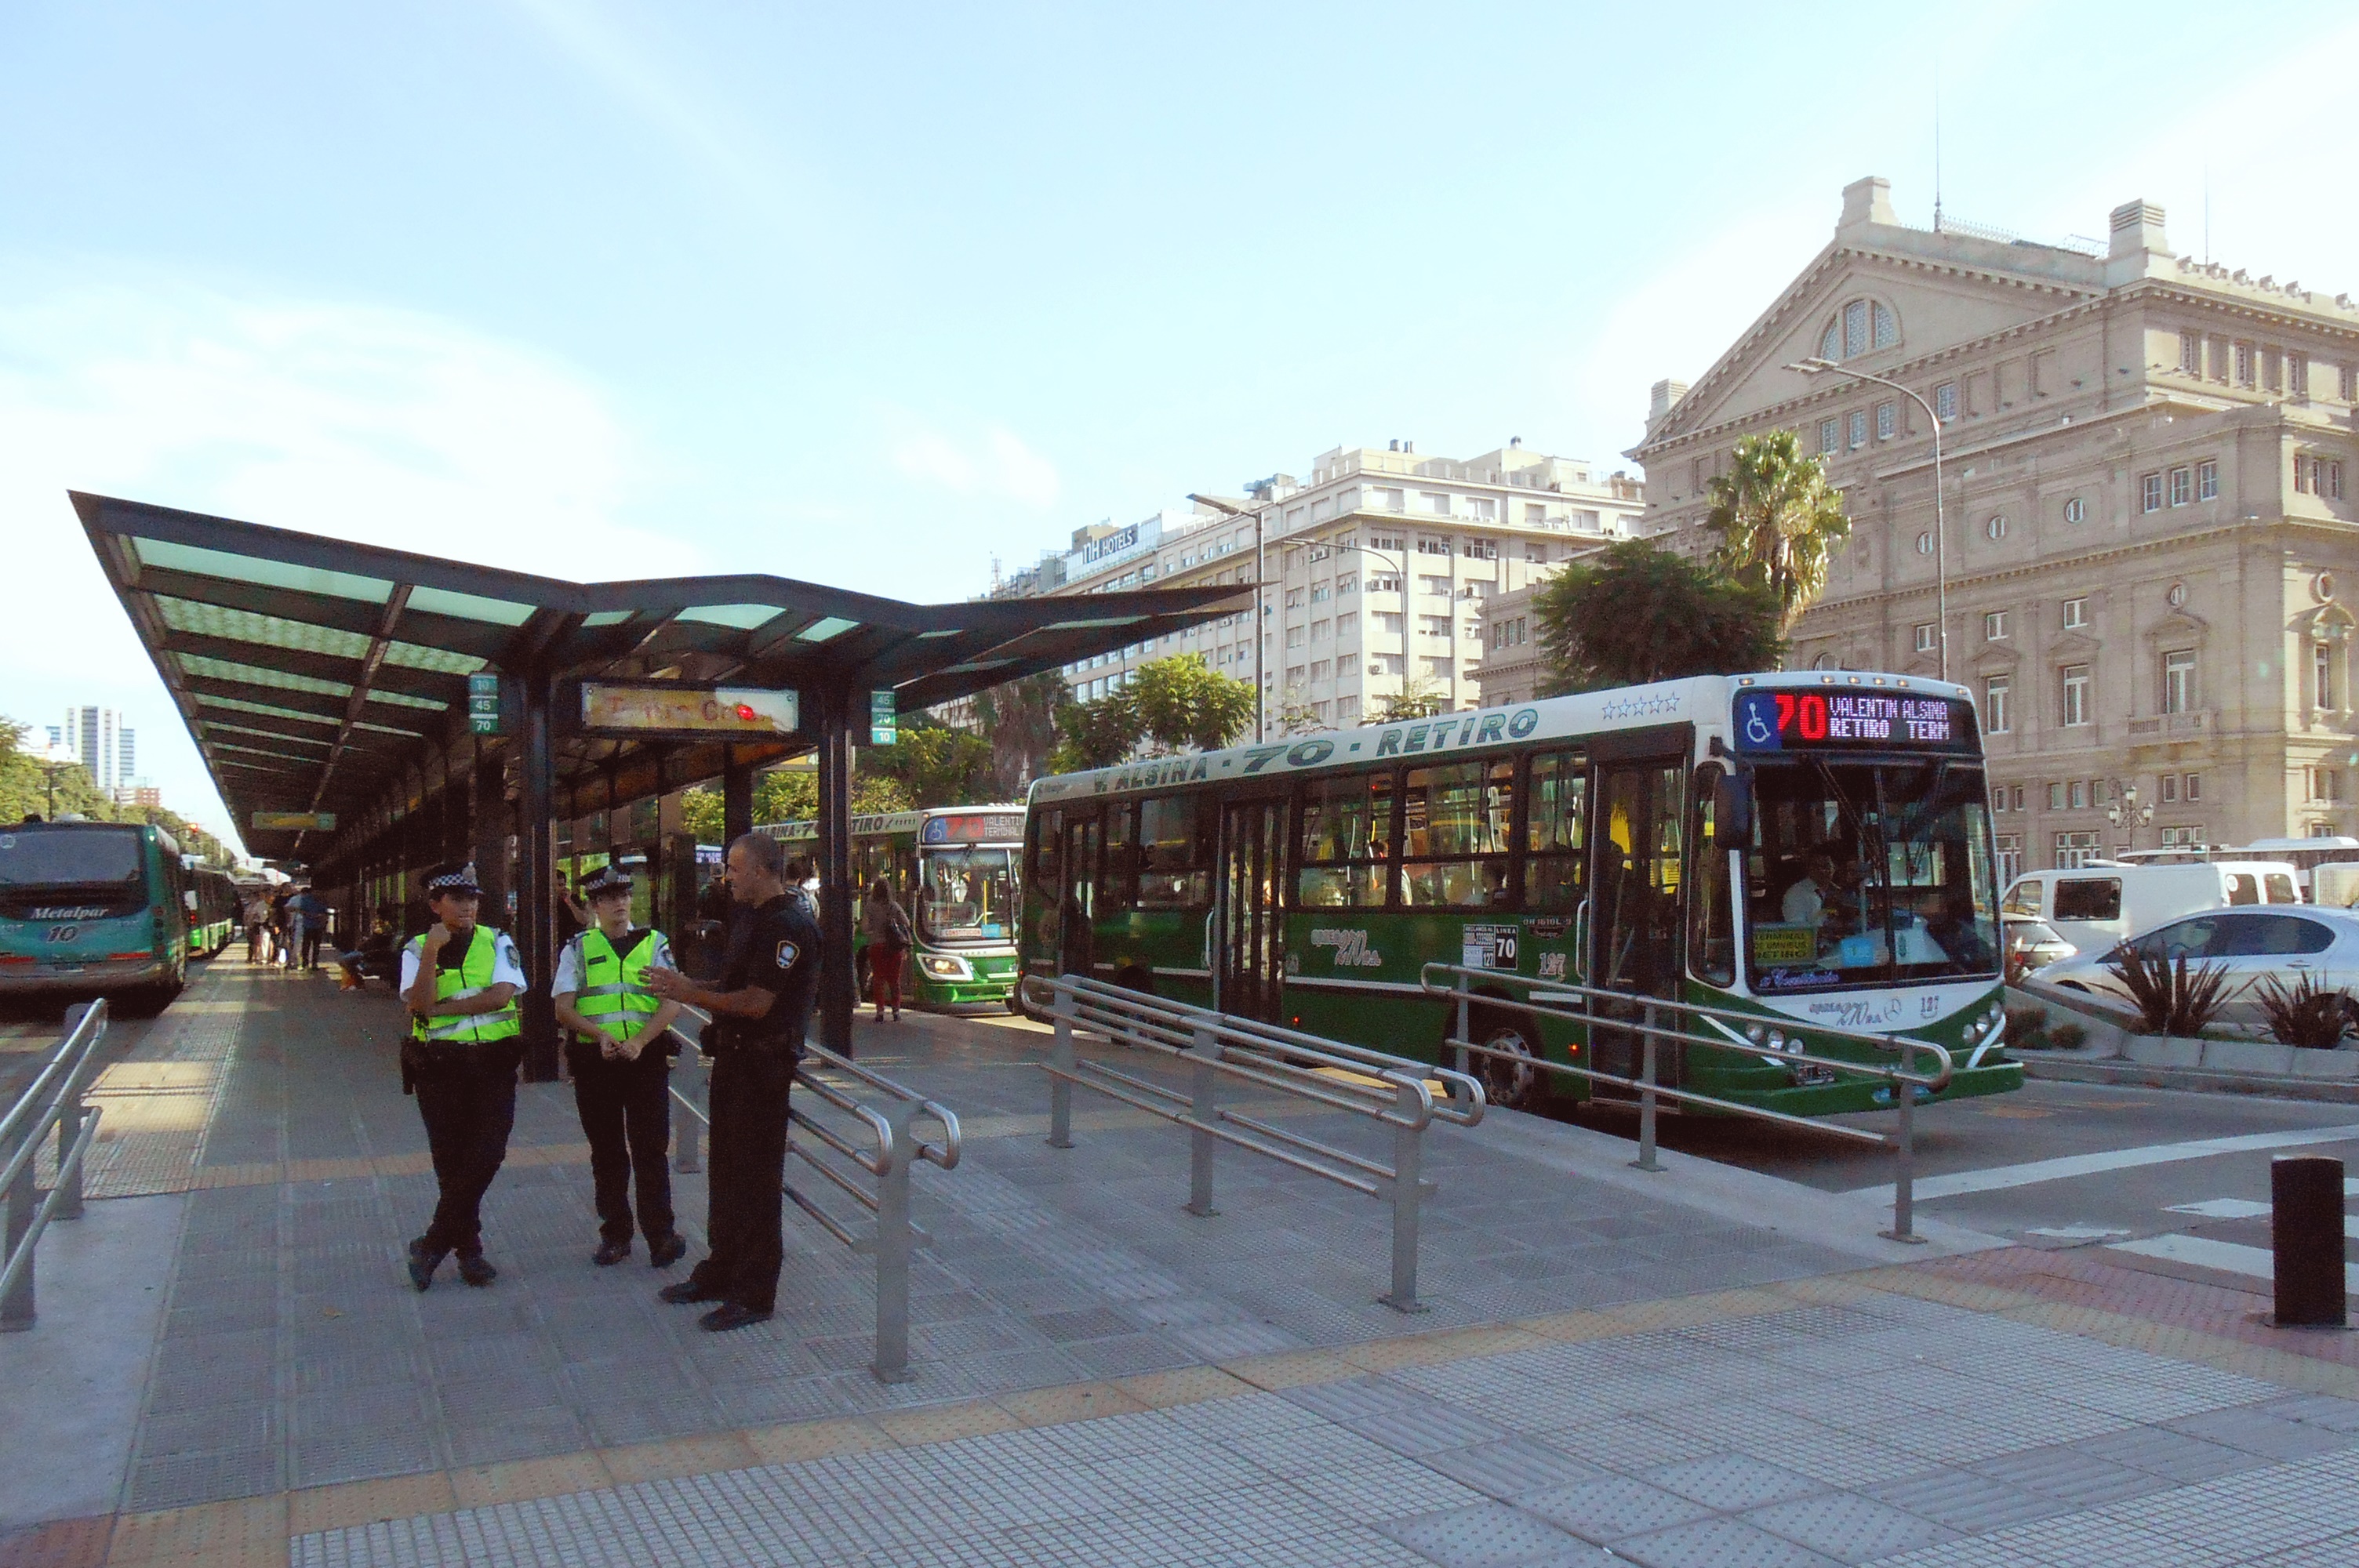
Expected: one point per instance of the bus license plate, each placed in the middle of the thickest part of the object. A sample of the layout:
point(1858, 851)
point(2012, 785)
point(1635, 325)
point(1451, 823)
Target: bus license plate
point(1807, 1074)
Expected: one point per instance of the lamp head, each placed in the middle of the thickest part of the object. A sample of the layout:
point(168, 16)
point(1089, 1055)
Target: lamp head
point(1813, 366)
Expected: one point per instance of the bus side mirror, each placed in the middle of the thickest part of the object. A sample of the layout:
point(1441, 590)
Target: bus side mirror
point(1733, 806)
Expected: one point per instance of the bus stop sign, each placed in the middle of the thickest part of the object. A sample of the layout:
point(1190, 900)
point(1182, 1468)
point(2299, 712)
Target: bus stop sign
point(883, 725)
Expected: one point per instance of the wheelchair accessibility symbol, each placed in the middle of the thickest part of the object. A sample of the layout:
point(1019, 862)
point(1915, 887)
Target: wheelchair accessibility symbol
point(1757, 722)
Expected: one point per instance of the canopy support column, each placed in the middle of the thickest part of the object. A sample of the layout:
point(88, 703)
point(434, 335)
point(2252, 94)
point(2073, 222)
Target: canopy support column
point(736, 800)
point(537, 874)
point(836, 998)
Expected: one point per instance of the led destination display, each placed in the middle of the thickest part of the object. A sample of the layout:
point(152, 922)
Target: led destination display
point(1840, 719)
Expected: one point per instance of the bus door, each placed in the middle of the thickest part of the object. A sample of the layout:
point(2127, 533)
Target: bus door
point(1249, 930)
point(1634, 904)
point(1077, 892)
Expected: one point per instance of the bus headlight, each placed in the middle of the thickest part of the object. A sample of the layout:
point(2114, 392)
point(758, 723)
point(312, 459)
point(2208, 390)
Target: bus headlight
point(946, 967)
point(1777, 1040)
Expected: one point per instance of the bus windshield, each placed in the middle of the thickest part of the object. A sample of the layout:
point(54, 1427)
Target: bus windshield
point(967, 895)
point(53, 858)
point(1868, 873)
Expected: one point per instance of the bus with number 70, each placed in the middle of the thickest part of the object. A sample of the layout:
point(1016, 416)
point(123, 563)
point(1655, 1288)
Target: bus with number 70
point(1812, 847)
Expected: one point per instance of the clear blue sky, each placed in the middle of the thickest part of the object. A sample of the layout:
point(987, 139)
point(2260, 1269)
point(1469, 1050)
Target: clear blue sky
point(871, 295)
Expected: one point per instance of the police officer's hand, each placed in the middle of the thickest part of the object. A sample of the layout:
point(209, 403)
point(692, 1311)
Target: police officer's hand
point(438, 936)
point(670, 984)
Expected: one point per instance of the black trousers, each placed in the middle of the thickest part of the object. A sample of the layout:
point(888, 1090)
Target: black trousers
point(468, 1108)
point(748, 1173)
point(627, 1114)
point(312, 931)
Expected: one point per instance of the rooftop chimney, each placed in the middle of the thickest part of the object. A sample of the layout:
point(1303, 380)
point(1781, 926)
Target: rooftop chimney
point(1868, 201)
point(1665, 398)
point(2137, 245)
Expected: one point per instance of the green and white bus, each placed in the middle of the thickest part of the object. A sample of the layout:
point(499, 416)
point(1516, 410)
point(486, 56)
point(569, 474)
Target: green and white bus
point(91, 909)
point(954, 869)
point(1808, 847)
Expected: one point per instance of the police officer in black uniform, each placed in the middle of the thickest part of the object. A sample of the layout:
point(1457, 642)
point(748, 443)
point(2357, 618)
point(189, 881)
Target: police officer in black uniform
point(759, 1013)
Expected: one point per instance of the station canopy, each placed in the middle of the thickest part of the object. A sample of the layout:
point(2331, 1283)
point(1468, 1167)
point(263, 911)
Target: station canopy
point(316, 673)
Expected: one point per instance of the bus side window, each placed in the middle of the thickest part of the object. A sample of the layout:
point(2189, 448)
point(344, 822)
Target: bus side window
point(1174, 862)
point(1454, 840)
point(1344, 854)
point(1048, 842)
point(1120, 875)
point(1555, 834)
point(1711, 919)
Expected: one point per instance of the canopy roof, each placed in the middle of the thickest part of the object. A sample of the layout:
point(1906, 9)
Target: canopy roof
point(313, 673)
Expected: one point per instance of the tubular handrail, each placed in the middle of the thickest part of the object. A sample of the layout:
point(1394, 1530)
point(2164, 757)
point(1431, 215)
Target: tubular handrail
point(897, 1150)
point(55, 1098)
point(1543, 994)
point(1393, 1091)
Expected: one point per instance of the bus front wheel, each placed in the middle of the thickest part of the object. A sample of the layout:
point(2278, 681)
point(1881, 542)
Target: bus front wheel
point(1515, 1084)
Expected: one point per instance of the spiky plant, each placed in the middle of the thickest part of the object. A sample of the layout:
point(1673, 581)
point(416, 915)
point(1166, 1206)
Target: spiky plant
point(2306, 1013)
point(2170, 997)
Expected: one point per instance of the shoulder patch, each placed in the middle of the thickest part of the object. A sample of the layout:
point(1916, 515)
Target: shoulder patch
point(787, 953)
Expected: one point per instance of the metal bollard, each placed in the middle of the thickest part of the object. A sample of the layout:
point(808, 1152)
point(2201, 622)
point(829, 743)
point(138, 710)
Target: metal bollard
point(1060, 1083)
point(1646, 1160)
point(69, 1121)
point(1408, 1191)
point(1903, 1166)
point(1204, 1108)
point(894, 1240)
point(1463, 1022)
point(2306, 1239)
point(16, 1306)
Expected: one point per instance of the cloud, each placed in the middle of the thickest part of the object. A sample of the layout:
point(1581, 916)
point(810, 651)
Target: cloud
point(364, 423)
point(999, 466)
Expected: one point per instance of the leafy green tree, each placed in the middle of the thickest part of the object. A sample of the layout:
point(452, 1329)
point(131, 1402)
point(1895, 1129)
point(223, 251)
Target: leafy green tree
point(28, 789)
point(1419, 697)
point(935, 764)
point(1295, 714)
point(1183, 704)
point(1096, 734)
point(703, 814)
point(1635, 613)
point(1778, 521)
point(1020, 718)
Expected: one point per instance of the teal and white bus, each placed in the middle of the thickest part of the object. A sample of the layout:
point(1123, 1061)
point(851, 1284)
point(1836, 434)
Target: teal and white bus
point(212, 918)
point(91, 909)
point(954, 869)
point(1807, 847)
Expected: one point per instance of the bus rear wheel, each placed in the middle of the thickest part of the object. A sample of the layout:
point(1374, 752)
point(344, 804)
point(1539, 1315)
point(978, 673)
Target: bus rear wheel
point(1516, 1085)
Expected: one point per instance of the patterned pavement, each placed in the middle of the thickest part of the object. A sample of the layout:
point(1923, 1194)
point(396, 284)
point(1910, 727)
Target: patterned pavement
point(1101, 1378)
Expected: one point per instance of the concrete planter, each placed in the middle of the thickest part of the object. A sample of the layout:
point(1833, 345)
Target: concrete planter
point(2264, 1057)
point(2163, 1051)
point(2340, 1065)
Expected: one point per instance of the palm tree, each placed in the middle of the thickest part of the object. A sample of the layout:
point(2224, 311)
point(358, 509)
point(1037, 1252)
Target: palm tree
point(1778, 522)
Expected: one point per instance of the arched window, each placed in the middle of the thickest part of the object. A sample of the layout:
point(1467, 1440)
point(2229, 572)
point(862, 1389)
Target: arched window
point(1860, 326)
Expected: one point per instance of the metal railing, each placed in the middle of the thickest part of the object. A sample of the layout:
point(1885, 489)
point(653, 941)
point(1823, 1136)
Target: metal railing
point(54, 1099)
point(834, 1152)
point(1570, 1002)
point(1392, 1090)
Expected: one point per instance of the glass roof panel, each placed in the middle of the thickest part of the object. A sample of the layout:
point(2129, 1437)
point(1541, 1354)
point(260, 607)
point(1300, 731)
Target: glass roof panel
point(256, 569)
point(244, 626)
point(607, 617)
point(238, 705)
point(263, 752)
point(412, 655)
point(215, 726)
point(471, 606)
point(1102, 620)
point(745, 617)
point(826, 626)
point(225, 669)
point(387, 729)
point(402, 699)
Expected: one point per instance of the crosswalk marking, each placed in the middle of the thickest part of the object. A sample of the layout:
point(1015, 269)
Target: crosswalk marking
point(2227, 1256)
point(2000, 1177)
point(2247, 1209)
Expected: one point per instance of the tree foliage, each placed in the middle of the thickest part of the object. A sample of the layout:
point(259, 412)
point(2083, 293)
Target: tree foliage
point(935, 764)
point(1635, 613)
point(1021, 720)
point(1419, 697)
point(25, 791)
point(1778, 522)
point(1178, 704)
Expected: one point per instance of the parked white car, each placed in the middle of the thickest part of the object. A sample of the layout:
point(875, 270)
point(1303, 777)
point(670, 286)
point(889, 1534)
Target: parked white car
point(2096, 905)
point(2251, 944)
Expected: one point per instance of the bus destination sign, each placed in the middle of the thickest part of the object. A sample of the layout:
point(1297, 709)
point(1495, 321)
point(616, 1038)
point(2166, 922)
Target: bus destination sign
point(1849, 719)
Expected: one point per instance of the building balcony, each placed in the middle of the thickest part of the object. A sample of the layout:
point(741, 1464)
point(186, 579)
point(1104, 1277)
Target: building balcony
point(2171, 726)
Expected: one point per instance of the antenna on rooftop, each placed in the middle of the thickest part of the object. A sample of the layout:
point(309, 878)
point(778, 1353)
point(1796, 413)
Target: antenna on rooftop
point(1937, 136)
point(2207, 211)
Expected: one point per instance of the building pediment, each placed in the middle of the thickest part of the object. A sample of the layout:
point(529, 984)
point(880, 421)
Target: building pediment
point(1996, 659)
point(2072, 644)
point(2181, 628)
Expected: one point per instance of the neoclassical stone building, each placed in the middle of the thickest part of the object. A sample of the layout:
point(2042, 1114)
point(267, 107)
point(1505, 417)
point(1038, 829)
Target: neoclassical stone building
point(2149, 471)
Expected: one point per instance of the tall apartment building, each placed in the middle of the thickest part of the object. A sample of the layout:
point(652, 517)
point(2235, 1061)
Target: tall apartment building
point(2147, 476)
point(1373, 571)
point(106, 747)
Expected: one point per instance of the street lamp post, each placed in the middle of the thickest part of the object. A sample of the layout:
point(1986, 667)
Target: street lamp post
point(1261, 571)
point(1941, 535)
point(2125, 811)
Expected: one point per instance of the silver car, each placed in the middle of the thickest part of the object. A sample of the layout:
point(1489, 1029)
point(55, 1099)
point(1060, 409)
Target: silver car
point(2272, 941)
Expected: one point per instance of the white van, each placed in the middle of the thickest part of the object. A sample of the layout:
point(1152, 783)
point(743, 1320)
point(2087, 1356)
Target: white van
point(2106, 902)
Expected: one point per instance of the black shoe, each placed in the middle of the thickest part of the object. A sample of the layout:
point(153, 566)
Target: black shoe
point(729, 1316)
point(475, 1269)
point(684, 1292)
point(423, 1260)
point(663, 1254)
point(610, 1253)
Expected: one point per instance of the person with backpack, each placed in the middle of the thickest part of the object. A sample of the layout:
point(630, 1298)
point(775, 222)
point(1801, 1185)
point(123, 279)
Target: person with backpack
point(886, 925)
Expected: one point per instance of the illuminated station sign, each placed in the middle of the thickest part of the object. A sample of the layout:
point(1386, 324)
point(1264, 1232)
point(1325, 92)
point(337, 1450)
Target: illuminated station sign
point(1851, 720)
point(610, 710)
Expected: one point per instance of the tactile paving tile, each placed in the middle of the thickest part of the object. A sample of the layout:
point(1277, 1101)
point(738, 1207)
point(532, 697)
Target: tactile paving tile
point(2076, 1477)
point(1512, 1468)
point(2317, 1409)
point(1720, 1544)
point(1353, 1399)
point(1964, 1502)
point(1487, 1535)
point(2173, 1455)
point(1605, 1511)
point(2258, 1432)
point(1731, 1482)
point(1424, 1428)
point(1848, 1527)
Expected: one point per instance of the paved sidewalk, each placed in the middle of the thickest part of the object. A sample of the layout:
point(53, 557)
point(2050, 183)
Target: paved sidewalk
point(1704, 1367)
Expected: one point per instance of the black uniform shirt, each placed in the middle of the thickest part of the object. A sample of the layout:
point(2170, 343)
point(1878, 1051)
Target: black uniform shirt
point(775, 947)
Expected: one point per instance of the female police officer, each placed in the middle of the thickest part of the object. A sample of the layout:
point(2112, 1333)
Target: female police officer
point(622, 1069)
point(461, 981)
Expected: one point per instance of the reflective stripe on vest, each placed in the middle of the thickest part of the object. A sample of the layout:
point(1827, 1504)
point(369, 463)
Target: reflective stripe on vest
point(621, 1006)
point(471, 977)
